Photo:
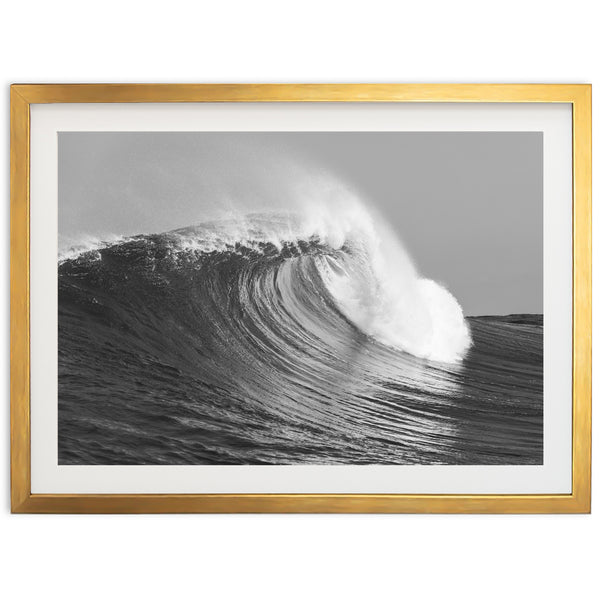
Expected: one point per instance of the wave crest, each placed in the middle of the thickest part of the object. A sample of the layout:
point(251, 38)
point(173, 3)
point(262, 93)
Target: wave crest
point(360, 264)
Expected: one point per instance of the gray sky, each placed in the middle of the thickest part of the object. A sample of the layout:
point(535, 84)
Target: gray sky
point(467, 206)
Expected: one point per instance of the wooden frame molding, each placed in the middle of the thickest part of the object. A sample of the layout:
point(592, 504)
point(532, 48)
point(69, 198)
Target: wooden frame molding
point(23, 501)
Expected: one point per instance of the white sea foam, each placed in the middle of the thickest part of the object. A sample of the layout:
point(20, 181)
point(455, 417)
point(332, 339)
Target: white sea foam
point(378, 288)
point(70, 248)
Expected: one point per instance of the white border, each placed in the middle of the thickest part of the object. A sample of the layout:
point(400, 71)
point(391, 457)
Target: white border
point(554, 120)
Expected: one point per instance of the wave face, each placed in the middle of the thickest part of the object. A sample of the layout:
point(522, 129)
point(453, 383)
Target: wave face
point(276, 339)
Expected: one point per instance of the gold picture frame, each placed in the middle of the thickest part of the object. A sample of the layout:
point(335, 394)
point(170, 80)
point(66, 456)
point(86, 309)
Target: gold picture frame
point(23, 501)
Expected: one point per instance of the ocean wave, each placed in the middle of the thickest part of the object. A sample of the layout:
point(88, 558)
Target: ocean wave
point(364, 271)
point(283, 339)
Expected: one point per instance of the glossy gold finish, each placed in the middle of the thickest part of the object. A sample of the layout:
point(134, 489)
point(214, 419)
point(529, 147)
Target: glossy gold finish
point(579, 96)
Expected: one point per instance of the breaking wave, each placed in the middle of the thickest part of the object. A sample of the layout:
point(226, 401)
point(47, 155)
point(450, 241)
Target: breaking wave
point(276, 338)
point(363, 271)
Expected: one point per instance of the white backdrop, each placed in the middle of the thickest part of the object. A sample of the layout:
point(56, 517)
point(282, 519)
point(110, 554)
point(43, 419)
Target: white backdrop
point(466, 556)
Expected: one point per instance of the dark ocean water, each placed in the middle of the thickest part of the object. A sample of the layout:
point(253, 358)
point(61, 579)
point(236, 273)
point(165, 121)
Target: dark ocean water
point(240, 354)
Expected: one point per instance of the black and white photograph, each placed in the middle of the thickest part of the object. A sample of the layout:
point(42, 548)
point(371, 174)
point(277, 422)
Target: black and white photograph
point(289, 298)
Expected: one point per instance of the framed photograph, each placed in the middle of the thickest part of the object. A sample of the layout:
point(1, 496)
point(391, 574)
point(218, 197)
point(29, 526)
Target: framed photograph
point(301, 298)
